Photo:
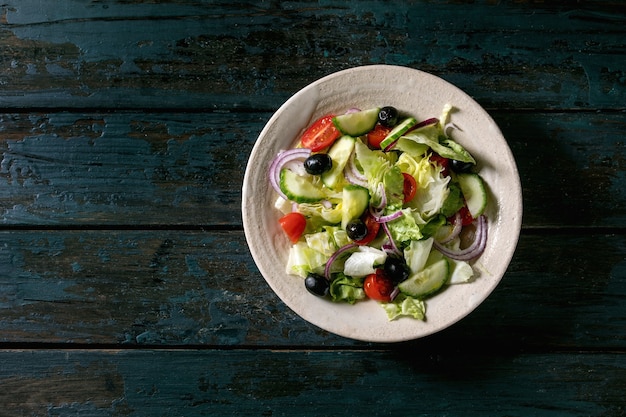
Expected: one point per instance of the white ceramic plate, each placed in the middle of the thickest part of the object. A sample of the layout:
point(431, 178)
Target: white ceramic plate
point(414, 92)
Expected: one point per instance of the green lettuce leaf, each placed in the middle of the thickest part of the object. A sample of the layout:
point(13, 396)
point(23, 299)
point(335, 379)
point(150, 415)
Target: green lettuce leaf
point(404, 306)
point(404, 228)
point(347, 289)
point(303, 259)
point(364, 261)
point(454, 201)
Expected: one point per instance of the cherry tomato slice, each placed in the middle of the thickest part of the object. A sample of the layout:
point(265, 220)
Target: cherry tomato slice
point(466, 217)
point(372, 229)
point(444, 162)
point(378, 287)
point(321, 134)
point(410, 187)
point(293, 224)
point(376, 135)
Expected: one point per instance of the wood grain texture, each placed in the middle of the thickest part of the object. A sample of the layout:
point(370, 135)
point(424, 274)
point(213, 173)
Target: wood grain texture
point(190, 288)
point(225, 55)
point(126, 286)
point(106, 168)
point(311, 383)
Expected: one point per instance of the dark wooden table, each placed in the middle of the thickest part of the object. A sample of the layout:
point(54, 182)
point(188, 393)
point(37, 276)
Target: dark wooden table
point(127, 288)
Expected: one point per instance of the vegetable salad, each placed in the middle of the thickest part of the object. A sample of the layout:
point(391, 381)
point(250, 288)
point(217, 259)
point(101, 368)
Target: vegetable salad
point(378, 205)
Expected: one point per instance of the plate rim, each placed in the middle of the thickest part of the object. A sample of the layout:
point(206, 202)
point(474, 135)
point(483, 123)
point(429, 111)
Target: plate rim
point(312, 90)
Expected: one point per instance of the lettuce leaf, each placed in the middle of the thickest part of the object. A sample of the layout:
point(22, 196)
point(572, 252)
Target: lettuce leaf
point(364, 261)
point(404, 306)
point(462, 272)
point(405, 228)
point(416, 254)
point(303, 259)
point(347, 289)
point(454, 201)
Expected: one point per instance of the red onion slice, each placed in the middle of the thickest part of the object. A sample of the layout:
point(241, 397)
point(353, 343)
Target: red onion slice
point(387, 218)
point(392, 244)
point(472, 251)
point(424, 123)
point(353, 168)
point(334, 257)
point(280, 161)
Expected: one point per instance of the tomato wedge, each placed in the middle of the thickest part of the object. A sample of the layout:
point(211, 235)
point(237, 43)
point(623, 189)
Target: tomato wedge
point(372, 229)
point(466, 217)
point(293, 224)
point(321, 134)
point(376, 135)
point(410, 187)
point(378, 287)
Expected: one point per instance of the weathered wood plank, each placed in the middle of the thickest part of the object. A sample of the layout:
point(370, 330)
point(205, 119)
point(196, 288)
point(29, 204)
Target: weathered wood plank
point(317, 383)
point(254, 55)
point(107, 168)
point(202, 288)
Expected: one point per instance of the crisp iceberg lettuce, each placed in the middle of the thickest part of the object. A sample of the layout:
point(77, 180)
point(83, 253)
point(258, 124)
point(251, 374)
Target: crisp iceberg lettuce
point(405, 228)
point(364, 261)
point(432, 186)
point(403, 306)
point(347, 289)
point(416, 254)
point(303, 259)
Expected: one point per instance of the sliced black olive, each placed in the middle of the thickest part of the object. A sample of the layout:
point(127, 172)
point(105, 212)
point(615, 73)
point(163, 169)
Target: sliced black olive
point(396, 269)
point(388, 116)
point(460, 166)
point(317, 285)
point(356, 229)
point(318, 163)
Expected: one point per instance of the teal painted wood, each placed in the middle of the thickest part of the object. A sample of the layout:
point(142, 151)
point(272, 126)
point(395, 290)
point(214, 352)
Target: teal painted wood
point(310, 383)
point(107, 168)
point(251, 55)
point(185, 288)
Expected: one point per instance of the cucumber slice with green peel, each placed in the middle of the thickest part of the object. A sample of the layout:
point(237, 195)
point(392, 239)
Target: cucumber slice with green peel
point(357, 123)
point(340, 153)
point(428, 281)
point(355, 201)
point(474, 192)
point(299, 188)
point(400, 129)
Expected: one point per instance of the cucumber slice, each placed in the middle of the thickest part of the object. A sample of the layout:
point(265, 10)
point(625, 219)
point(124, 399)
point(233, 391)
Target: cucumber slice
point(357, 123)
point(298, 188)
point(356, 199)
point(340, 153)
point(428, 281)
point(473, 189)
point(398, 131)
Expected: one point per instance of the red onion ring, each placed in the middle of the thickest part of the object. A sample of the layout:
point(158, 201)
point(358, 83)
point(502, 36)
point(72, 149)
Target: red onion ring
point(353, 168)
point(424, 123)
point(472, 251)
point(392, 244)
point(387, 218)
point(334, 257)
point(354, 180)
point(279, 162)
point(352, 173)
